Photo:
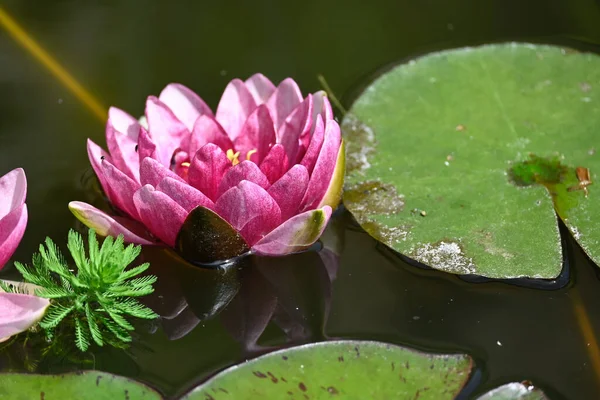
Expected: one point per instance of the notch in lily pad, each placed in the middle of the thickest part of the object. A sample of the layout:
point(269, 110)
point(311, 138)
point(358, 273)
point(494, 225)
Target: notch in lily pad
point(207, 239)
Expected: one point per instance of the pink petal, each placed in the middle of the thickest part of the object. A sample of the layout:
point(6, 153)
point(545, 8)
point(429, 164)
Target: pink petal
point(250, 210)
point(152, 172)
point(282, 102)
point(333, 193)
point(146, 146)
point(185, 195)
point(120, 188)
point(13, 190)
point(208, 130)
point(275, 163)
point(122, 132)
point(321, 106)
point(260, 87)
point(123, 123)
point(235, 107)
point(19, 312)
point(166, 131)
point(289, 190)
point(324, 167)
point(244, 171)
point(296, 234)
point(207, 169)
point(106, 225)
point(96, 154)
point(161, 214)
point(314, 148)
point(258, 133)
point(185, 104)
point(296, 125)
point(12, 228)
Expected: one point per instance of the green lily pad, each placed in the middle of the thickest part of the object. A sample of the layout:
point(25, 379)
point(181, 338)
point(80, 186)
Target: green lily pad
point(92, 385)
point(456, 159)
point(207, 238)
point(341, 369)
point(514, 391)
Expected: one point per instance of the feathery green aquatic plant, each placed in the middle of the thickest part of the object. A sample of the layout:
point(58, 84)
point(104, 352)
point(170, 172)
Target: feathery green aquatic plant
point(98, 296)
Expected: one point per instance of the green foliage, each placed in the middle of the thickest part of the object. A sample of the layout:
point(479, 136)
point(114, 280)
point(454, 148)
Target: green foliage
point(99, 296)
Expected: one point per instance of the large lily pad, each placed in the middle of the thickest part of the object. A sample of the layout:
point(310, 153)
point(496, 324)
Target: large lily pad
point(514, 391)
point(89, 385)
point(455, 158)
point(344, 370)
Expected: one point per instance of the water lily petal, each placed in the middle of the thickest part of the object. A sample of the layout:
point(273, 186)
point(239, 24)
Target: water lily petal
point(260, 87)
point(19, 312)
point(321, 106)
point(146, 146)
point(324, 167)
point(13, 190)
point(258, 133)
point(152, 172)
point(250, 210)
point(120, 188)
point(185, 195)
point(314, 148)
point(185, 104)
point(208, 130)
point(122, 132)
point(246, 170)
point(275, 163)
point(295, 234)
point(166, 130)
point(296, 125)
point(282, 102)
point(160, 213)
point(12, 228)
point(235, 107)
point(289, 190)
point(333, 194)
point(207, 169)
point(96, 155)
point(107, 225)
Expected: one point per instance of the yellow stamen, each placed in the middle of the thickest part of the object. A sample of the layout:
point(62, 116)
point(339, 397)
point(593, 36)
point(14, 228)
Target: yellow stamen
point(21, 37)
point(185, 164)
point(249, 154)
point(233, 157)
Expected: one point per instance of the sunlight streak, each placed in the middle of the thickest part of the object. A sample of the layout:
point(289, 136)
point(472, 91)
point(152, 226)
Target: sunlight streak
point(588, 334)
point(27, 42)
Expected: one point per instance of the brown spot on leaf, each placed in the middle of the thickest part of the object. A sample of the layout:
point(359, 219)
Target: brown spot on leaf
point(332, 390)
point(273, 378)
point(460, 128)
point(393, 365)
point(341, 358)
point(302, 386)
point(98, 379)
point(42, 395)
point(357, 351)
point(126, 394)
point(223, 390)
point(259, 374)
point(284, 357)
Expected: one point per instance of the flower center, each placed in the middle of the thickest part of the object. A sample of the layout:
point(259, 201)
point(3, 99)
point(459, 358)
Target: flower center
point(233, 157)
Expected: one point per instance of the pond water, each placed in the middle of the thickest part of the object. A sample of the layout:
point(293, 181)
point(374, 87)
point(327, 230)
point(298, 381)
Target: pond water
point(123, 51)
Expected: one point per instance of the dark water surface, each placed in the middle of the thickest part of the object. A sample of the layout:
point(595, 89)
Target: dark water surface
point(124, 51)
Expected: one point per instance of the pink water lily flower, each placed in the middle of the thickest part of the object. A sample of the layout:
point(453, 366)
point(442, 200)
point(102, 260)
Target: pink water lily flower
point(270, 162)
point(18, 312)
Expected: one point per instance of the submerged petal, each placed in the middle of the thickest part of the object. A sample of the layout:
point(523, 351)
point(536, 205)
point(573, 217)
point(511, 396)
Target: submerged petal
point(107, 225)
point(250, 210)
point(185, 104)
point(12, 228)
point(260, 87)
point(289, 190)
point(207, 169)
point(235, 106)
point(19, 312)
point(295, 234)
point(160, 213)
point(13, 190)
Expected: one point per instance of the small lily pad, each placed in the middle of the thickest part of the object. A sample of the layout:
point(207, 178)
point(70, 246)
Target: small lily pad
point(89, 385)
point(207, 238)
point(514, 391)
point(344, 370)
point(460, 158)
